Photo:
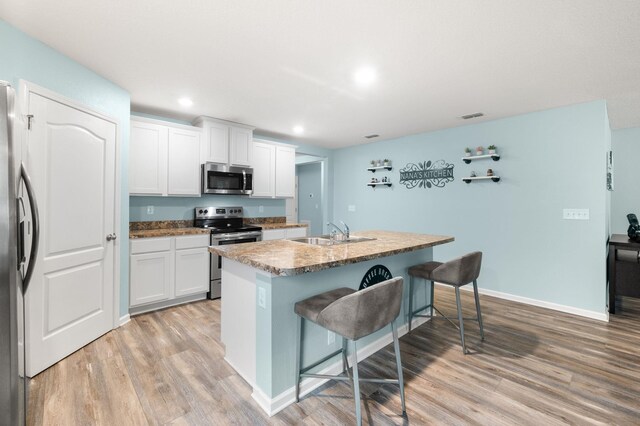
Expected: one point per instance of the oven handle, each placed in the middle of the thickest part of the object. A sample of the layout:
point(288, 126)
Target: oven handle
point(227, 237)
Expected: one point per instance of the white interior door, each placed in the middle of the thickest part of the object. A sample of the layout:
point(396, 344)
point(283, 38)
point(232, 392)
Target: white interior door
point(71, 159)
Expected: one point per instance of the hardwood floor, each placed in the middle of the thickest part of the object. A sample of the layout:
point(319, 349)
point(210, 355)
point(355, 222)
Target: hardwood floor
point(536, 367)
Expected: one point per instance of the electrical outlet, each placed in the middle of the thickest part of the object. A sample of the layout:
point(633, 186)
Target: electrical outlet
point(262, 297)
point(575, 214)
point(261, 209)
point(150, 209)
point(331, 337)
point(352, 208)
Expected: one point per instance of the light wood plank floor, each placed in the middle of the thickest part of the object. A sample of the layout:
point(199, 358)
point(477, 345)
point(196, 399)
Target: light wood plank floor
point(536, 367)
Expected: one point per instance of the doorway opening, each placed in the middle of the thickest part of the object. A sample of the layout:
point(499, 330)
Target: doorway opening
point(309, 203)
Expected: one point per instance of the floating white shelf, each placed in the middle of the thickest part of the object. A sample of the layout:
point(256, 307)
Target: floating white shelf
point(374, 184)
point(373, 169)
point(494, 157)
point(470, 178)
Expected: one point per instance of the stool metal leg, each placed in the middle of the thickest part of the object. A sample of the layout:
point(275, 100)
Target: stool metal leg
point(345, 361)
point(396, 349)
point(299, 334)
point(356, 385)
point(464, 348)
point(410, 301)
point(432, 301)
point(475, 293)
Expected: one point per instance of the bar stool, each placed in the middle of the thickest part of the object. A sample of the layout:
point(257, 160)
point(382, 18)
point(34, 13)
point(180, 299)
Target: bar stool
point(352, 315)
point(457, 272)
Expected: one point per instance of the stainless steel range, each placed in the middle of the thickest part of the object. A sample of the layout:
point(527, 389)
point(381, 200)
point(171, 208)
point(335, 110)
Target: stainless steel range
point(226, 228)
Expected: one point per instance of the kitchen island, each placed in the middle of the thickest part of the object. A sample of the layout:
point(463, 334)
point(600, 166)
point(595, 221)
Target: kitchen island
point(262, 281)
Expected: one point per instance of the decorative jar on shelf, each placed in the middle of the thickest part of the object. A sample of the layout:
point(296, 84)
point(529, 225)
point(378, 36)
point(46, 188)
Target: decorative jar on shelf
point(479, 150)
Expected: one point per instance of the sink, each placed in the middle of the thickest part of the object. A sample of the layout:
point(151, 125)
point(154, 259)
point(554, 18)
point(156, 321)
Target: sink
point(325, 240)
point(316, 241)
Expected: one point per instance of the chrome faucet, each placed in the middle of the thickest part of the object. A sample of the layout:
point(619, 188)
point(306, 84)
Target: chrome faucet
point(345, 233)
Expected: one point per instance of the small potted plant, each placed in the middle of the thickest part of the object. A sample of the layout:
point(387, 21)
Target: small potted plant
point(467, 152)
point(492, 149)
point(489, 172)
point(373, 163)
point(472, 174)
point(379, 163)
point(386, 162)
point(479, 150)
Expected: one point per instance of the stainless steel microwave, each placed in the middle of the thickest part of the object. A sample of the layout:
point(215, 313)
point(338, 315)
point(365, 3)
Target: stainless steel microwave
point(223, 179)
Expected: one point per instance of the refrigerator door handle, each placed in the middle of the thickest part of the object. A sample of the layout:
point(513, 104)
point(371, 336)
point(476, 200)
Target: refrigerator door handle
point(36, 227)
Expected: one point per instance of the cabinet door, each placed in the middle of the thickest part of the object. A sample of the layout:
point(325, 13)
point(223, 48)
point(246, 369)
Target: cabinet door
point(148, 159)
point(296, 232)
point(215, 148)
point(285, 171)
point(273, 234)
point(192, 271)
point(240, 146)
point(264, 162)
point(151, 278)
point(184, 162)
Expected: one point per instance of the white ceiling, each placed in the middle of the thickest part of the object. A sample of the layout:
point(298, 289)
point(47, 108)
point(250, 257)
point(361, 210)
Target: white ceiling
point(279, 63)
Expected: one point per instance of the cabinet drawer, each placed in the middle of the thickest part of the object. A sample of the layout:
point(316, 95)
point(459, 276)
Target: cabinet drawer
point(150, 245)
point(192, 241)
point(273, 234)
point(296, 232)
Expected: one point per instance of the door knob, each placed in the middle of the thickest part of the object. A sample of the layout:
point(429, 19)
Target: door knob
point(111, 237)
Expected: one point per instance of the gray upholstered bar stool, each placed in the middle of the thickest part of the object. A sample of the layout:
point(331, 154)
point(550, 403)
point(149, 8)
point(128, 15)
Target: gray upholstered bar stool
point(352, 315)
point(457, 272)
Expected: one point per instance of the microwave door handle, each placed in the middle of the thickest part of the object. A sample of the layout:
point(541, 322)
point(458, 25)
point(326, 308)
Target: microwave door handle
point(244, 180)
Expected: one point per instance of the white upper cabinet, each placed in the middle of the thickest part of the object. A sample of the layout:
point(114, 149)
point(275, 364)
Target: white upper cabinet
point(285, 171)
point(215, 148)
point(148, 159)
point(225, 142)
point(274, 169)
point(264, 162)
point(184, 162)
point(164, 158)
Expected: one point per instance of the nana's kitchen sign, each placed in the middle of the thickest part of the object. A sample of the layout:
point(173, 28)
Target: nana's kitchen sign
point(426, 174)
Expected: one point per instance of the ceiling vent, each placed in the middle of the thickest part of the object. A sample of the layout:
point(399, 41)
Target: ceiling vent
point(474, 115)
point(371, 136)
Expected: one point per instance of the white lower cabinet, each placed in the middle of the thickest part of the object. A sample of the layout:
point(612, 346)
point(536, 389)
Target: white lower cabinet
point(166, 270)
point(151, 278)
point(283, 233)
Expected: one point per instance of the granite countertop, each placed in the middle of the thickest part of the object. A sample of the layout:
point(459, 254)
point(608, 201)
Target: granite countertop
point(286, 258)
point(167, 232)
point(282, 225)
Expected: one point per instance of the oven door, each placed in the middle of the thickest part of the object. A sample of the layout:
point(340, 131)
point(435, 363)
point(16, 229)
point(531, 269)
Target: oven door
point(215, 275)
point(222, 179)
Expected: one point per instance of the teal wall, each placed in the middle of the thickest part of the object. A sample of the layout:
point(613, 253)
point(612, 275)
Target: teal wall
point(551, 160)
point(310, 199)
point(26, 58)
point(182, 208)
point(626, 165)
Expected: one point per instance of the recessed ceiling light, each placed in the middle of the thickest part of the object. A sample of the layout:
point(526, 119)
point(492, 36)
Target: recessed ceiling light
point(364, 76)
point(298, 130)
point(185, 102)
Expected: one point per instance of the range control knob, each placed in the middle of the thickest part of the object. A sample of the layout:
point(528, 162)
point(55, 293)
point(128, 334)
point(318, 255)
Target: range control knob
point(200, 211)
point(206, 211)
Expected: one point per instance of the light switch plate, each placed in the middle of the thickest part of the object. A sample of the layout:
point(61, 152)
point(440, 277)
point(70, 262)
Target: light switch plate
point(150, 209)
point(575, 214)
point(352, 207)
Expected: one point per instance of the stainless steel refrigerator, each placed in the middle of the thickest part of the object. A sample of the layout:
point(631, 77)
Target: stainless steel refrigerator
point(18, 222)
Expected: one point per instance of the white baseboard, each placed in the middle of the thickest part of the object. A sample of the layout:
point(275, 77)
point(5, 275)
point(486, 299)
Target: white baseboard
point(123, 320)
point(541, 303)
point(272, 406)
